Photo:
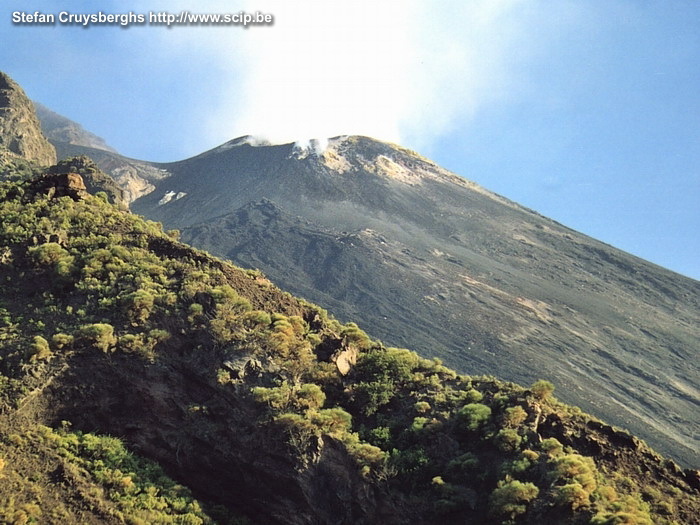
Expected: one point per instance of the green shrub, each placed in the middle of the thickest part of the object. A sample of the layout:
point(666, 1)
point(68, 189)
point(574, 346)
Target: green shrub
point(310, 396)
point(47, 254)
point(334, 421)
point(507, 440)
point(575, 468)
point(474, 415)
point(40, 350)
point(422, 407)
point(366, 454)
point(510, 498)
point(371, 396)
point(552, 447)
point(572, 495)
point(419, 423)
point(53, 255)
point(278, 398)
point(514, 416)
point(542, 389)
point(473, 396)
point(138, 305)
point(99, 335)
point(60, 341)
point(356, 336)
point(256, 319)
point(379, 436)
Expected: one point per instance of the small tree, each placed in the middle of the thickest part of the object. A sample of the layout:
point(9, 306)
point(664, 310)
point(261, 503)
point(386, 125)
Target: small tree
point(40, 349)
point(510, 498)
point(99, 336)
point(542, 389)
point(514, 416)
point(139, 305)
point(47, 254)
point(474, 415)
point(507, 440)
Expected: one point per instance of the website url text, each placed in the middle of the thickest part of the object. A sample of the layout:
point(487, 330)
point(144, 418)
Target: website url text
point(159, 18)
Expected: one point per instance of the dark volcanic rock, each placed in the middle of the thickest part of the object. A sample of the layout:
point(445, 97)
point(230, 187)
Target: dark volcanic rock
point(20, 132)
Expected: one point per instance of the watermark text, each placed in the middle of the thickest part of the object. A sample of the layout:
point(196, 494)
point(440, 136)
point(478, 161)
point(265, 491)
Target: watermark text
point(152, 18)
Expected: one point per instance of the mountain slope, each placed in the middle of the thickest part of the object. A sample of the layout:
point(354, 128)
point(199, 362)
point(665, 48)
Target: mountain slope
point(258, 402)
point(426, 259)
point(20, 131)
point(58, 128)
point(135, 177)
point(70, 139)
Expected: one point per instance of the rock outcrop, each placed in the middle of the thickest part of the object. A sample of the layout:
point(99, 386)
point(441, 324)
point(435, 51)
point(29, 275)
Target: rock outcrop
point(93, 178)
point(20, 131)
point(61, 185)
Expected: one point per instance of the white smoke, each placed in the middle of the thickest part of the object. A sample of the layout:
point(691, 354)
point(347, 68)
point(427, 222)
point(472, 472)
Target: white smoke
point(306, 147)
point(404, 71)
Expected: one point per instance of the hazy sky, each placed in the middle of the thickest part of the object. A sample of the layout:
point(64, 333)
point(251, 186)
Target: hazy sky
point(586, 111)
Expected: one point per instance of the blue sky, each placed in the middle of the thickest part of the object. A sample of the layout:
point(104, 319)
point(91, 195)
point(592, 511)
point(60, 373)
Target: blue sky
point(586, 111)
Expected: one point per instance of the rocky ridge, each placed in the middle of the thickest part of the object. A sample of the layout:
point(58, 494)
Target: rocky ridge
point(20, 130)
point(58, 128)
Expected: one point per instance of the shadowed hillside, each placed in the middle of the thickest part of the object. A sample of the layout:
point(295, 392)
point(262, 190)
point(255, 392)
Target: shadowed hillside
point(144, 381)
point(427, 259)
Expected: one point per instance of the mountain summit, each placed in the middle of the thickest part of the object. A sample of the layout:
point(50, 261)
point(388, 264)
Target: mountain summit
point(20, 131)
point(426, 259)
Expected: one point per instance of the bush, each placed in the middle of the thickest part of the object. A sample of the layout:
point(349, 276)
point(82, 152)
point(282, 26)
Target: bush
point(47, 254)
point(552, 447)
point(40, 350)
point(334, 421)
point(278, 398)
point(52, 255)
point(508, 440)
point(473, 396)
point(356, 336)
point(510, 498)
point(573, 495)
point(366, 454)
point(514, 416)
point(310, 396)
point(576, 468)
point(59, 341)
point(256, 319)
point(99, 335)
point(542, 389)
point(474, 415)
point(422, 407)
point(139, 305)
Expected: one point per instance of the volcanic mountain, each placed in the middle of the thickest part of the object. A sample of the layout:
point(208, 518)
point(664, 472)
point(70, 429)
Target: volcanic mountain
point(426, 259)
point(144, 381)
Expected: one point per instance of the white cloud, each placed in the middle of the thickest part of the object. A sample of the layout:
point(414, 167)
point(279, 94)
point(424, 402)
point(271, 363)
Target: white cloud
point(403, 71)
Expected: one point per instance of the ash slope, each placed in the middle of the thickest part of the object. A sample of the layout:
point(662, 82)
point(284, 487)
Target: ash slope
point(425, 259)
